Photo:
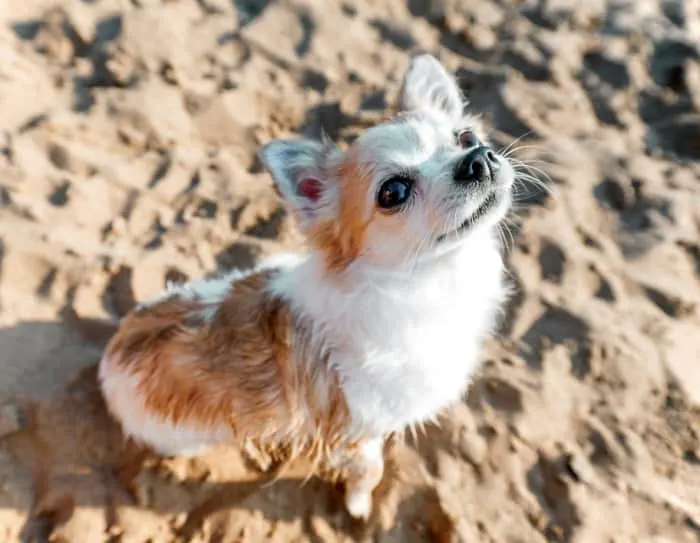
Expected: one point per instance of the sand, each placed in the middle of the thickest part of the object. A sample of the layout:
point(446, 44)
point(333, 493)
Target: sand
point(128, 132)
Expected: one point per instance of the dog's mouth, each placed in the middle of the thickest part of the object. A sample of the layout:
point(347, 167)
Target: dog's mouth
point(490, 202)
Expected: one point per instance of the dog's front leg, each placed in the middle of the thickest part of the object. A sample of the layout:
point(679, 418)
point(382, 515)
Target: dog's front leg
point(362, 473)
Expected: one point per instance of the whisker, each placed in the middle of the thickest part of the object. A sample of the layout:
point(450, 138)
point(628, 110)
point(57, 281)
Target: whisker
point(516, 140)
point(532, 168)
point(515, 226)
point(513, 150)
point(526, 180)
point(530, 175)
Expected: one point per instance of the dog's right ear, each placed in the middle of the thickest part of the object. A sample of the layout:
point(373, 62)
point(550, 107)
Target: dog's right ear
point(301, 177)
point(427, 85)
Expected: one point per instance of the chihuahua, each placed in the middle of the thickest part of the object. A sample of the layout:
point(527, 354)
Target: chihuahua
point(376, 328)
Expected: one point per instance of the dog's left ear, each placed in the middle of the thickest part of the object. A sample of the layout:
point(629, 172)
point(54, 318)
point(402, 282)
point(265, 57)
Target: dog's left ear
point(427, 85)
point(299, 171)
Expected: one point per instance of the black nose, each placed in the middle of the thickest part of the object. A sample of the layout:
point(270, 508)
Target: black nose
point(478, 165)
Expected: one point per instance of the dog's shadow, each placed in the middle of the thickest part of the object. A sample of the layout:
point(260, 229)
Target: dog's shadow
point(72, 457)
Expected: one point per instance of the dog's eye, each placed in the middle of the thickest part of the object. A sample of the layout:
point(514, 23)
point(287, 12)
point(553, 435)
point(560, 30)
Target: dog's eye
point(467, 139)
point(394, 192)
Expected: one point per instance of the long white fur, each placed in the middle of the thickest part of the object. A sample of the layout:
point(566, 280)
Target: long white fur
point(411, 339)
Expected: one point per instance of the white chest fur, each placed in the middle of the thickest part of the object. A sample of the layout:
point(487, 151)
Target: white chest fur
point(404, 344)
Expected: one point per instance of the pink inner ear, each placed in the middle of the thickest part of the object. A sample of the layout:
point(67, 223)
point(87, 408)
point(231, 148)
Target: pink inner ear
point(310, 188)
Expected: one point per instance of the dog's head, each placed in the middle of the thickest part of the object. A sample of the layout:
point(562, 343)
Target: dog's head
point(409, 188)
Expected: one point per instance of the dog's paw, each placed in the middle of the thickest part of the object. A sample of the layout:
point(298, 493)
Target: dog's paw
point(359, 505)
point(255, 458)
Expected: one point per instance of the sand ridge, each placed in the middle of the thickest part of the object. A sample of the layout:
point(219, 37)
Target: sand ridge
point(128, 132)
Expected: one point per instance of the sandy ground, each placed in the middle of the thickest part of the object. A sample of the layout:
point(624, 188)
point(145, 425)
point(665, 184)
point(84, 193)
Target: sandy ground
point(127, 139)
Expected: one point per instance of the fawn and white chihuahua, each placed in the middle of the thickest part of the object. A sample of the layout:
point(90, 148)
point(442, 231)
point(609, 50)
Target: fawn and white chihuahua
point(376, 328)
